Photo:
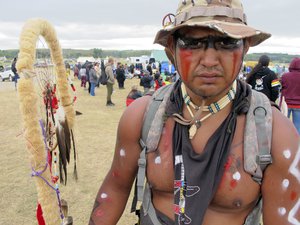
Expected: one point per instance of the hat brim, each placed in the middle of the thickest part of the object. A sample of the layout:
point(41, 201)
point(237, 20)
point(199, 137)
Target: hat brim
point(234, 30)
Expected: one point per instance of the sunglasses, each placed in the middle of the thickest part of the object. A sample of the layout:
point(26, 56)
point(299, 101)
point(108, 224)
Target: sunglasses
point(216, 42)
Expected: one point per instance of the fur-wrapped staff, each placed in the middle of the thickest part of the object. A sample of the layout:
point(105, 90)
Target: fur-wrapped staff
point(34, 132)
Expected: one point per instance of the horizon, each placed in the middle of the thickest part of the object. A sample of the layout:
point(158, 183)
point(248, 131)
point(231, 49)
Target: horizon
point(120, 28)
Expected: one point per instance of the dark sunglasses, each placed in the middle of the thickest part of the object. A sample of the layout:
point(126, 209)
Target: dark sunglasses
point(216, 42)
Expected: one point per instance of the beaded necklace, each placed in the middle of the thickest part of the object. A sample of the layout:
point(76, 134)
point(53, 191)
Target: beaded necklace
point(213, 108)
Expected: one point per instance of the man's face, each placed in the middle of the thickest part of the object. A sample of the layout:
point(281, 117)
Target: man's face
point(207, 61)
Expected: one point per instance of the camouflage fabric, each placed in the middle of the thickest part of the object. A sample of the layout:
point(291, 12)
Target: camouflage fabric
point(226, 17)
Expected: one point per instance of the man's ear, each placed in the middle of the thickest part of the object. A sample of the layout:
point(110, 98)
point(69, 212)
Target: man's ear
point(170, 50)
point(246, 46)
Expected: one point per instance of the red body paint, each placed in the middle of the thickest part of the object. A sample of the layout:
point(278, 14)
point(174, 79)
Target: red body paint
point(99, 212)
point(115, 174)
point(185, 62)
point(294, 196)
point(228, 164)
point(233, 183)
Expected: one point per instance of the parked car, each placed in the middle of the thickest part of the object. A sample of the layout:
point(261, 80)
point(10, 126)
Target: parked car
point(7, 74)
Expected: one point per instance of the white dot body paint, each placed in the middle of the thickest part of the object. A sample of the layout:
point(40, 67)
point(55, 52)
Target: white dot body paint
point(282, 211)
point(287, 154)
point(294, 169)
point(122, 153)
point(236, 176)
point(104, 195)
point(157, 160)
point(285, 184)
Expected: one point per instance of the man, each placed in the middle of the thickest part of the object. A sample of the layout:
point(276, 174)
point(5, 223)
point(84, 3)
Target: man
point(14, 69)
point(208, 41)
point(93, 76)
point(146, 81)
point(110, 82)
point(291, 91)
point(264, 80)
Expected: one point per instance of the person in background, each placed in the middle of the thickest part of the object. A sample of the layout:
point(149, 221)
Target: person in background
point(98, 72)
point(110, 82)
point(83, 77)
point(68, 70)
point(168, 80)
point(264, 80)
point(14, 69)
point(158, 81)
point(133, 95)
point(93, 76)
point(146, 82)
point(149, 68)
point(291, 91)
point(120, 75)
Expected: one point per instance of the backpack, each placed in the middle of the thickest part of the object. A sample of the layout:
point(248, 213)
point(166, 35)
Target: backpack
point(257, 147)
point(103, 77)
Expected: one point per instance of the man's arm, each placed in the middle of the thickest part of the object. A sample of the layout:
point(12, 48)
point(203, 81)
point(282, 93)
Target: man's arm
point(113, 193)
point(281, 181)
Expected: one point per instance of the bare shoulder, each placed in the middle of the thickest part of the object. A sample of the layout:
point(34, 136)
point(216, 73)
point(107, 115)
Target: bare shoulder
point(284, 136)
point(281, 182)
point(130, 124)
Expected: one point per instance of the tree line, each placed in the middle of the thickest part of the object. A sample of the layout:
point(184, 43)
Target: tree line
point(100, 53)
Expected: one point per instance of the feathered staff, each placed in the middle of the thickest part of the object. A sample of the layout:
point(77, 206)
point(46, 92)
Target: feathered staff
point(28, 98)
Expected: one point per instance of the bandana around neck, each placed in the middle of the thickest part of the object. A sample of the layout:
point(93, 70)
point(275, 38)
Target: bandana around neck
point(197, 176)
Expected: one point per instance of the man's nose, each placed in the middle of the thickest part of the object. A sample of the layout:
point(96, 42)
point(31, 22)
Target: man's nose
point(209, 57)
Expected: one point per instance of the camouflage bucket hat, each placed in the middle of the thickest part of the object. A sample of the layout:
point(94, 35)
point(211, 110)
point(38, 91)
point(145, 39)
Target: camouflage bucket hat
point(224, 16)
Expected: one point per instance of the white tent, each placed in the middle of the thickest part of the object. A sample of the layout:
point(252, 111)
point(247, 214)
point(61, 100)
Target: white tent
point(84, 59)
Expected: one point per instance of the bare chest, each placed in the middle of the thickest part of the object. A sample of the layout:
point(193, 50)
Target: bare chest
point(236, 190)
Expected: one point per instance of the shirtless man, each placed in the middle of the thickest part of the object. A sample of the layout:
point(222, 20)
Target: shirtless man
point(208, 53)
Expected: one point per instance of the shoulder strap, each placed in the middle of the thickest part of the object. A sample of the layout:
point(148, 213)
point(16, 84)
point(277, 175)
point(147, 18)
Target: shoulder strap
point(258, 136)
point(154, 117)
point(151, 132)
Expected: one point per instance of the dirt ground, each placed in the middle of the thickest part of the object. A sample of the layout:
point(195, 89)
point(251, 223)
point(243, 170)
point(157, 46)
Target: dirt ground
point(95, 135)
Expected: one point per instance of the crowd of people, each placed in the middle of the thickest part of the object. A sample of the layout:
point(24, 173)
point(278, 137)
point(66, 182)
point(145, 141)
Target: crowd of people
point(90, 75)
point(281, 87)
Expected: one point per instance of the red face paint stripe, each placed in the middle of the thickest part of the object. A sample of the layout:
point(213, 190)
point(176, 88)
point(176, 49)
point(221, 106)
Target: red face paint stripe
point(185, 62)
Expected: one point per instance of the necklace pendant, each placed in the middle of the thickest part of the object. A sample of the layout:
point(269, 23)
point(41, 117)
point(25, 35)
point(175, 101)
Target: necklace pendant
point(192, 131)
point(198, 124)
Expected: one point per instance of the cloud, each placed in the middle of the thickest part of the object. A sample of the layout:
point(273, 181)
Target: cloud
point(132, 24)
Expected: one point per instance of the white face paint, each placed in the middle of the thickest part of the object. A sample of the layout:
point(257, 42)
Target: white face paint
point(104, 195)
point(236, 176)
point(282, 211)
point(157, 160)
point(294, 166)
point(285, 184)
point(287, 154)
point(122, 153)
point(293, 214)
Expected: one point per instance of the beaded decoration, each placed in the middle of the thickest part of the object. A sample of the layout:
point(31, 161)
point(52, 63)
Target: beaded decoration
point(213, 108)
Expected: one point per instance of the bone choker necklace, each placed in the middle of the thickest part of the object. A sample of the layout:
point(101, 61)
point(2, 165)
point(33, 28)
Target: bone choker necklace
point(213, 108)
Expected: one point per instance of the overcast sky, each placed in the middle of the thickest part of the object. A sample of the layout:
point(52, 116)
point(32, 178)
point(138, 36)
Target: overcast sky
point(132, 24)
